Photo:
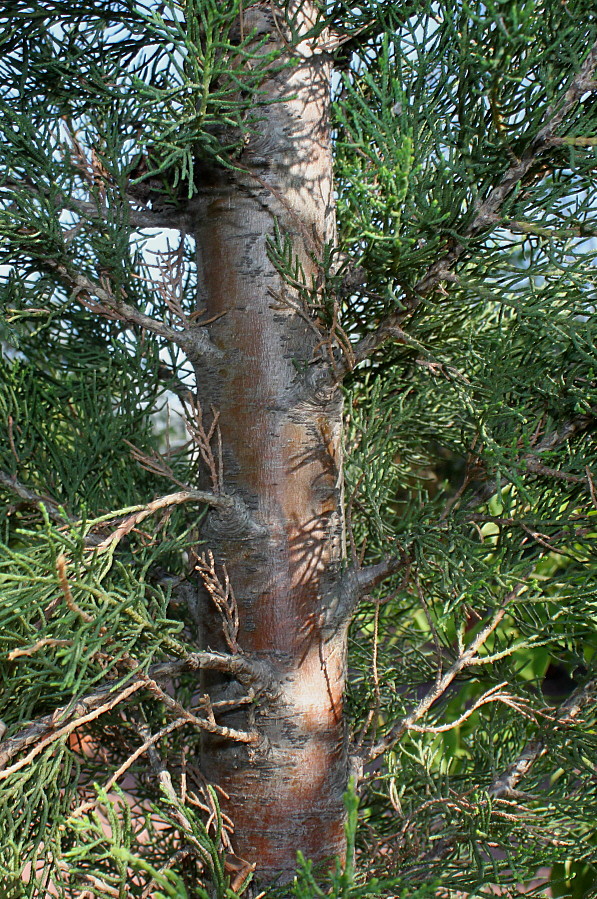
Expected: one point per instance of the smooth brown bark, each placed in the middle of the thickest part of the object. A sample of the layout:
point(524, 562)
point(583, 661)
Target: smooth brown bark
point(281, 440)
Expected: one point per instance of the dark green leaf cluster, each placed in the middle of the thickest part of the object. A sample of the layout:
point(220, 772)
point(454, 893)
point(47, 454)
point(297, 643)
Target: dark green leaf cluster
point(177, 82)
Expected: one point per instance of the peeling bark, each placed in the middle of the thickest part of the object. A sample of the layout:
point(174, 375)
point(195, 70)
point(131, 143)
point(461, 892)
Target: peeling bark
point(282, 456)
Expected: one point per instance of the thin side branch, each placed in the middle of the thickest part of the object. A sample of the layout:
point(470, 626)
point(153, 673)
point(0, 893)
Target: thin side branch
point(65, 719)
point(491, 695)
point(140, 513)
point(194, 341)
point(32, 498)
point(530, 461)
point(46, 730)
point(231, 508)
point(355, 583)
point(139, 215)
point(223, 597)
point(208, 724)
point(149, 742)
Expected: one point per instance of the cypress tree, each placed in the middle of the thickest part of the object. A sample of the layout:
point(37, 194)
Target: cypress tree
point(297, 578)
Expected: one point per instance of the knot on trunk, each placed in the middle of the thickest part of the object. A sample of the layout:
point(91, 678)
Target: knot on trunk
point(321, 384)
point(231, 521)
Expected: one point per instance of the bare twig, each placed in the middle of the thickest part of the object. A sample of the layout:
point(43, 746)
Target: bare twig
point(374, 712)
point(239, 736)
point(93, 212)
point(32, 498)
point(150, 741)
point(99, 298)
point(140, 513)
point(504, 789)
point(591, 486)
point(106, 890)
point(170, 265)
point(155, 463)
point(491, 695)
point(203, 440)
point(39, 644)
point(65, 586)
point(45, 730)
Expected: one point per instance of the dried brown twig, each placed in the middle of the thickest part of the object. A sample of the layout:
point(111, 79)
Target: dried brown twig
point(222, 594)
point(203, 441)
point(504, 787)
point(64, 720)
point(46, 730)
point(494, 694)
point(140, 513)
point(32, 498)
point(65, 587)
point(100, 298)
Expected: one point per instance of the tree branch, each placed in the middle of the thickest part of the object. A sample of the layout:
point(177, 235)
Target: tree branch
point(32, 498)
point(486, 212)
point(464, 660)
point(139, 513)
point(230, 508)
point(194, 341)
point(138, 217)
point(60, 723)
point(353, 584)
point(504, 787)
point(530, 462)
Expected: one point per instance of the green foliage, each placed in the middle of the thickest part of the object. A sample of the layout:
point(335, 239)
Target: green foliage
point(469, 434)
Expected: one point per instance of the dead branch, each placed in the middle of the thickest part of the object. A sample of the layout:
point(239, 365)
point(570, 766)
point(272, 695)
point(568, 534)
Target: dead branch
point(165, 780)
point(203, 439)
point(39, 644)
point(65, 586)
point(208, 724)
point(65, 719)
point(46, 730)
point(149, 741)
point(373, 712)
point(491, 695)
point(140, 513)
point(93, 213)
point(504, 789)
point(99, 298)
point(170, 265)
point(32, 498)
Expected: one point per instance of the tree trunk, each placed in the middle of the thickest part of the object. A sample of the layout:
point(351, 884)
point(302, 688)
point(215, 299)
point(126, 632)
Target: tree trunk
point(281, 440)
